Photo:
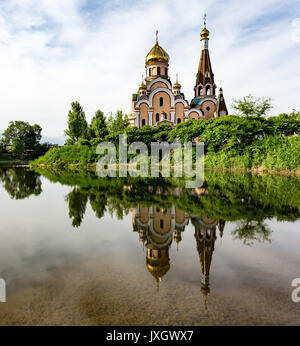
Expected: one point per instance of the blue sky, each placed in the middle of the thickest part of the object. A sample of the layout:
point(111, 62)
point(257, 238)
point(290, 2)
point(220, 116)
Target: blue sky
point(53, 52)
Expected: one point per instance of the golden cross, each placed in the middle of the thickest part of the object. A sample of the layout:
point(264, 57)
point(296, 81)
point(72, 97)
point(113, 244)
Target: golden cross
point(205, 19)
point(156, 36)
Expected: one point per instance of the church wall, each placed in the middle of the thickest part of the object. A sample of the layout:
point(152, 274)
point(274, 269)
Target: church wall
point(166, 217)
point(166, 105)
point(179, 111)
point(144, 214)
point(158, 85)
point(193, 115)
point(179, 216)
point(144, 114)
point(208, 113)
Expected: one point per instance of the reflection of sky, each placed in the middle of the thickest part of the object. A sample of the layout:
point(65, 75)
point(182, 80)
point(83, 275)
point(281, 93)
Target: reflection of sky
point(36, 235)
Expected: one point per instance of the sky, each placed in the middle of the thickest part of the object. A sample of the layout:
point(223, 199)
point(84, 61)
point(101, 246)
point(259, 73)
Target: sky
point(53, 52)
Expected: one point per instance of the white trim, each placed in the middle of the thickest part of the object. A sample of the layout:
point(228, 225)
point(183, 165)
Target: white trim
point(140, 102)
point(181, 101)
point(159, 79)
point(155, 91)
point(208, 99)
point(137, 119)
point(194, 110)
point(150, 115)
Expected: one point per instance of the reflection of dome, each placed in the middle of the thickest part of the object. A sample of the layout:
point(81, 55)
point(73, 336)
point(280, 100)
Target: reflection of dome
point(158, 270)
point(157, 54)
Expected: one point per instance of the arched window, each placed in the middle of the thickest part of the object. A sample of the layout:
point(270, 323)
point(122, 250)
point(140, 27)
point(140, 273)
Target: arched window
point(157, 117)
point(143, 122)
point(166, 116)
point(208, 90)
point(178, 120)
point(161, 223)
point(166, 71)
point(200, 90)
point(158, 70)
point(150, 71)
point(161, 101)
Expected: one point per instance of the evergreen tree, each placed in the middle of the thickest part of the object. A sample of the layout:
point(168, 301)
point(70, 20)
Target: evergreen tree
point(77, 125)
point(98, 126)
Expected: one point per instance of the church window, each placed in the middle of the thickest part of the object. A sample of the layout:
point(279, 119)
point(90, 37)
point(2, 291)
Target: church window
point(208, 109)
point(143, 122)
point(158, 70)
point(207, 74)
point(166, 116)
point(178, 120)
point(200, 90)
point(166, 71)
point(150, 71)
point(161, 101)
point(161, 223)
point(207, 90)
point(157, 117)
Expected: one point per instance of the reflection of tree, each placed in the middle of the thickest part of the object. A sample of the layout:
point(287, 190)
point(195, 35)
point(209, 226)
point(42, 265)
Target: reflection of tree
point(21, 183)
point(98, 203)
point(77, 206)
point(252, 231)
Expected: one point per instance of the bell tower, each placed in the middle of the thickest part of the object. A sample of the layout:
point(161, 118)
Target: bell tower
point(205, 88)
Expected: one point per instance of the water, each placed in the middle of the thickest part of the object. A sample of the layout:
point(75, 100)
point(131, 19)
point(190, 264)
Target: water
point(76, 249)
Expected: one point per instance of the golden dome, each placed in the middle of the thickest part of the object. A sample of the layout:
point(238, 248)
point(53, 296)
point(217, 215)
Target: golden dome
point(157, 54)
point(176, 85)
point(158, 271)
point(143, 85)
point(204, 33)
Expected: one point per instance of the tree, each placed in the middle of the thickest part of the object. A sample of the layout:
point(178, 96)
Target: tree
point(120, 122)
point(21, 136)
point(98, 127)
point(77, 125)
point(249, 106)
point(17, 147)
point(77, 206)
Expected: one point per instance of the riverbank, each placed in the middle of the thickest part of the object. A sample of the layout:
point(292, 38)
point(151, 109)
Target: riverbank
point(254, 144)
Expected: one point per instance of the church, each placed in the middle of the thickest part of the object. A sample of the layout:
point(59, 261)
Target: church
point(159, 102)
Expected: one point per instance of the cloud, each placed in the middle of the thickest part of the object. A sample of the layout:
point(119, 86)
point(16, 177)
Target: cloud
point(54, 52)
point(296, 30)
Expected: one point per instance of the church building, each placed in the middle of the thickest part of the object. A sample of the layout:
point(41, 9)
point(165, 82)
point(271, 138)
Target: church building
point(159, 102)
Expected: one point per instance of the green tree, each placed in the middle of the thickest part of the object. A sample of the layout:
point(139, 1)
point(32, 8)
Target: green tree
point(77, 206)
point(98, 125)
point(77, 125)
point(120, 123)
point(17, 147)
point(249, 106)
point(29, 135)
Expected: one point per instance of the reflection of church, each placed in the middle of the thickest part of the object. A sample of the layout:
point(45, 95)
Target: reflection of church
point(157, 229)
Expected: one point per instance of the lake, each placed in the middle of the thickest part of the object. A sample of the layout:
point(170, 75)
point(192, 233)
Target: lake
point(76, 249)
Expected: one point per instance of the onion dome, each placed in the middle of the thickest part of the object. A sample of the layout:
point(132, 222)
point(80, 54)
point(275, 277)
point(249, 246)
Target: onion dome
point(204, 33)
point(157, 53)
point(142, 85)
point(176, 85)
